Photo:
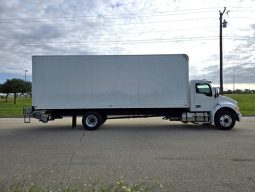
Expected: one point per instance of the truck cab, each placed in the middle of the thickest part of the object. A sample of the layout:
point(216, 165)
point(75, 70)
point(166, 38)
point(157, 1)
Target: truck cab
point(219, 110)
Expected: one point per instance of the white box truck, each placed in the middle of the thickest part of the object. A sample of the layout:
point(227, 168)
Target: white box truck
point(101, 87)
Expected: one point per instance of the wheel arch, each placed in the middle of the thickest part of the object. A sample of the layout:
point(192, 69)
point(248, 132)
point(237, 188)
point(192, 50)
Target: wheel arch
point(229, 110)
point(219, 108)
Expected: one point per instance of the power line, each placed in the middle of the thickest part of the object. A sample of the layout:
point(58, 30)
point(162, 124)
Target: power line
point(124, 42)
point(119, 24)
point(120, 16)
point(115, 33)
point(90, 18)
point(115, 24)
point(98, 20)
point(146, 14)
point(123, 32)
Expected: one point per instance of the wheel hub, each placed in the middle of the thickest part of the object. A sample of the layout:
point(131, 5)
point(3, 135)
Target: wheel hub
point(91, 121)
point(225, 120)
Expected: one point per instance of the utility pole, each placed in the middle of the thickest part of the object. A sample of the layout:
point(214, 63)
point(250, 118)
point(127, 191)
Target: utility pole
point(233, 81)
point(222, 25)
point(26, 74)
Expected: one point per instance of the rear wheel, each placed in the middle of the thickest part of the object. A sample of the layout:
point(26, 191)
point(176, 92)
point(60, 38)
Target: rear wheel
point(224, 120)
point(92, 120)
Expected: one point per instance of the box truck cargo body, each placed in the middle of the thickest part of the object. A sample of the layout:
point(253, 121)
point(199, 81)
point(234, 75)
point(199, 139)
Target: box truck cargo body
point(100, 87)
point(78, 82)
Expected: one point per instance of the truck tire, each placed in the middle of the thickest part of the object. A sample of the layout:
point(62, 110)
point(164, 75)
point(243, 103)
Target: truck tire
point(224, 120)
point(92, 120)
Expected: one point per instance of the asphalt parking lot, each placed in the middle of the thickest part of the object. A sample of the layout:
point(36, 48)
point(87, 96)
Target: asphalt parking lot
point(180, 157)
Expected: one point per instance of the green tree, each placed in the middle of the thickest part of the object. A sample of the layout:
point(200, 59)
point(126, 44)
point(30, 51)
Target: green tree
point(28, 88)
point(16, 86)
point(1, 89)
point(4, 89)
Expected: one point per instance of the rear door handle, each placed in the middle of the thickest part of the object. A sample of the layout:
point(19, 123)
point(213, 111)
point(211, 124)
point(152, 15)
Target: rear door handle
point(198, 106)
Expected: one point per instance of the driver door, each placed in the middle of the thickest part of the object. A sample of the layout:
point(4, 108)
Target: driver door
point(204, 99)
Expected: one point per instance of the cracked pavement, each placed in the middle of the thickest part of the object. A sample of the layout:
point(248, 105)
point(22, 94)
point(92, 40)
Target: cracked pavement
point(181, 157)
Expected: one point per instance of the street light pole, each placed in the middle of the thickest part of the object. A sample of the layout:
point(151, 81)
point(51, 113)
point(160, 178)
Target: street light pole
point(222, 24)
point(26, 74)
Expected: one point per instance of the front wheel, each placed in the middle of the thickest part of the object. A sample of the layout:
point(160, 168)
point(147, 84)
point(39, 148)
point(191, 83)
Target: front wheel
point(224, 120)
point(92, 120)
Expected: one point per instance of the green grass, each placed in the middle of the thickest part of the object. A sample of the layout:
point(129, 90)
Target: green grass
point(246, 102)
point(8, 109)
point(119, 186)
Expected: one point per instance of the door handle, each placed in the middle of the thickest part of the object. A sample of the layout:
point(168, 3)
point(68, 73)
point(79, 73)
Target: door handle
point(198, 106)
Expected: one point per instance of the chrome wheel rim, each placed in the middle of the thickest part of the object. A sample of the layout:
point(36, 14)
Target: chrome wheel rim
point(91, 121)
point(225, 120)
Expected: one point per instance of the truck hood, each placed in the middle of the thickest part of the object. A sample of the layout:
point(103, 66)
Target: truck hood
point(224, 99)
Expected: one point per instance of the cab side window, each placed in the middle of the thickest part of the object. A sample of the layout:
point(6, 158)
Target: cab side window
point(204, 89)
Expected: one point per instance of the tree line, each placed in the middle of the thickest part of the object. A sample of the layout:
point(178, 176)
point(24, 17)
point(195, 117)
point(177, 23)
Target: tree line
point(239, 91)
point(15, 87)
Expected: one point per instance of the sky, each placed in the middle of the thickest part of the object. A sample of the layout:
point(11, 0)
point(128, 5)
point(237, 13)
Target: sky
point(114, 27)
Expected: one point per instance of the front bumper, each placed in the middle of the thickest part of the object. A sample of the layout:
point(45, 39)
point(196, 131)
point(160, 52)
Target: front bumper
point(239, 117)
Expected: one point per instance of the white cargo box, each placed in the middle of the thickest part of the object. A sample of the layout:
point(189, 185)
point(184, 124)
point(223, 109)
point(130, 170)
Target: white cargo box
point(110, 81)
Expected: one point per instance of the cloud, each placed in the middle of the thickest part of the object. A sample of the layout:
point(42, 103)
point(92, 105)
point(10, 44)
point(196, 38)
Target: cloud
point(37, 27)
point(43, 32)
point(37, 30)
point(238, 61)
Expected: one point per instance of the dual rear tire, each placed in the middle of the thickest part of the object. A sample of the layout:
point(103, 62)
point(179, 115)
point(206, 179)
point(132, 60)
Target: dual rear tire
point(92, 120)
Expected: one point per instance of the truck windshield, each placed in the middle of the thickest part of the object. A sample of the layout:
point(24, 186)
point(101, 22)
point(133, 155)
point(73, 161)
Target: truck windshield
point(204, 88)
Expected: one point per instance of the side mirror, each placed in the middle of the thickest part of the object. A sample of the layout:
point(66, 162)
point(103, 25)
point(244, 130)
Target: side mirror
point(216, 92)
